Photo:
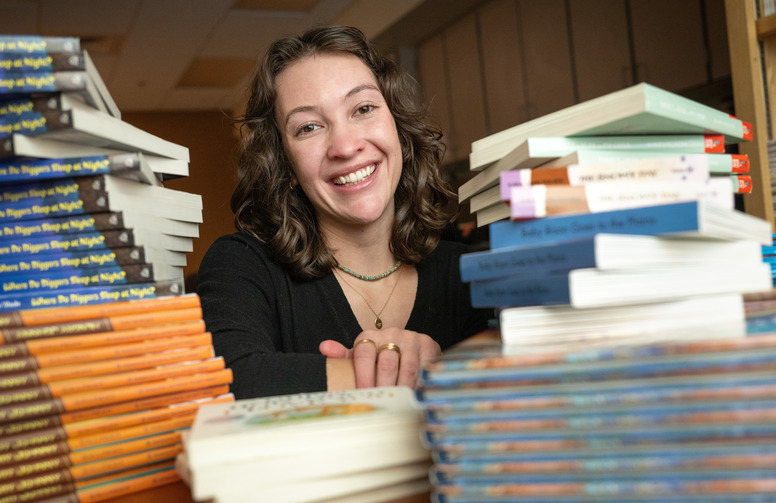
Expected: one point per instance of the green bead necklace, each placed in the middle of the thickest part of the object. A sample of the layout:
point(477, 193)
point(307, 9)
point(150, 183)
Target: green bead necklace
point(371, 278)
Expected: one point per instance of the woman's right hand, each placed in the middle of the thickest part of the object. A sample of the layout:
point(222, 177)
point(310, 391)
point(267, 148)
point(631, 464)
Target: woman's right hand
point(389, 357)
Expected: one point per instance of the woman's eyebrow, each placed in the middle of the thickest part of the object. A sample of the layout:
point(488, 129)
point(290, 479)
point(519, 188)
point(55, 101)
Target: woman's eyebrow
point(351, 93)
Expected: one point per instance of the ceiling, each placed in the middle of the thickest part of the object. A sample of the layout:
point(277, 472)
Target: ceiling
point(198, 54)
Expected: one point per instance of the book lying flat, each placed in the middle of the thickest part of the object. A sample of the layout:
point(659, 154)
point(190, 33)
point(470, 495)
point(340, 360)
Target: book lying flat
point(129, 165)
point(85, 125)
point(687, 219)
point(692, 318)
point(596, 288)
point(533, 152)
point(34, 44)
point(97, 193)
point(604, 251)
point(18, 145)
point(637, 110)
point(538, 201)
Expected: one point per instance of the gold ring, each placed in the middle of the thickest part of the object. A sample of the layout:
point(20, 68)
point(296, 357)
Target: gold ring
point(373, 343)
point(389, 347)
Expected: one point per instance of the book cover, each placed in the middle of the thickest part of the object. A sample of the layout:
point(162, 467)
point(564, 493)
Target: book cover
point(687, 219)
point(597, 288)
point(18, 62)
point(637, 110)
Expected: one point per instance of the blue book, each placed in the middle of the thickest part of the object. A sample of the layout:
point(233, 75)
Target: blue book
point(691, 219)
point(599, 288)
point(604, 251)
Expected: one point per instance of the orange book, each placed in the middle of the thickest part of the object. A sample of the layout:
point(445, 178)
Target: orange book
point(88, 399)
point(105, 324)
point(128, 484)
point(34, 362)
point(96, 382)
point(71, 343)
point(48, 316)
point(136, 406)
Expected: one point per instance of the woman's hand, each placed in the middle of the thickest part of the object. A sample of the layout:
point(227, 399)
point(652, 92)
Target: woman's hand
point(389, 357)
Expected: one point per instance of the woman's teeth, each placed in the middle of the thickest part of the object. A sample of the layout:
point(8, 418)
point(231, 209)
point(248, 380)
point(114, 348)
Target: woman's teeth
point(355, 177)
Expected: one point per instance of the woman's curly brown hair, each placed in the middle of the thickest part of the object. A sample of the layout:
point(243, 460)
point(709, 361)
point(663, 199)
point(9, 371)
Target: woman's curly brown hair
point(267, 206)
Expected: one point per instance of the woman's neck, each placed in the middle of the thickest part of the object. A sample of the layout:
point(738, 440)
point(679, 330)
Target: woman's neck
point(364, 250)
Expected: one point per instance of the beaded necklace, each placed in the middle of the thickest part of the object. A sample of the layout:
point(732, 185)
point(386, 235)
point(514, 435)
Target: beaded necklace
point(371, 278)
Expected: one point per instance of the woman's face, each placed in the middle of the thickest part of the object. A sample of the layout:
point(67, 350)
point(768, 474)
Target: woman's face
point(340, 137)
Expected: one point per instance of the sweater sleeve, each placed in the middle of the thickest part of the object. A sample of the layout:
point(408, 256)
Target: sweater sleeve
point(242, 294)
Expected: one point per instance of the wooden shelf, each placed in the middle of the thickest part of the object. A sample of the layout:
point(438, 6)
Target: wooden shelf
point(749, 97)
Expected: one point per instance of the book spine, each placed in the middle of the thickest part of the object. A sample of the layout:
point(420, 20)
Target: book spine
point(85, 333)
point(144, 417)
point(66, 279)
point(82, 241)
point(29, 426)
point(61, 225)
point(167, 453)
point(89, 295)
point(59, 197)
point(97, 353)
point(88, 399)
point(38, 169)
point(545, 290)
point(158, 478)
point(19, 264)
point(538, 201)
point(517, 261)
point(35, 82)
point(126, 447)
point(134, 432)
point(20, 62)
point(47, 316)
point(654, 220)
point(151, 402)
point(33, 44)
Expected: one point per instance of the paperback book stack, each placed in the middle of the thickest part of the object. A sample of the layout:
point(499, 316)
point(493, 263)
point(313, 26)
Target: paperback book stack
point(84, 216)
point(357, 446)
point(686, 418)
point(94, 399)
point(654, 146)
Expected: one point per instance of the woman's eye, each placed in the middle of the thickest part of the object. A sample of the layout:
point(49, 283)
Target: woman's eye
point(306, 129)
point(364, 109)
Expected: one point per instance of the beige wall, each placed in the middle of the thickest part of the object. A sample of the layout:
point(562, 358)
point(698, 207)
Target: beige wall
point(212, 148)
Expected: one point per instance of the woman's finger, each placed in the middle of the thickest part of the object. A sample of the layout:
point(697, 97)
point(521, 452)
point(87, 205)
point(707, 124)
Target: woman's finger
point(388, 361)
point(364, 362)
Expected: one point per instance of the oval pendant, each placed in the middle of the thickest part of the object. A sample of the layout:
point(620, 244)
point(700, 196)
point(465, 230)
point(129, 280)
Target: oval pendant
point(378, 323)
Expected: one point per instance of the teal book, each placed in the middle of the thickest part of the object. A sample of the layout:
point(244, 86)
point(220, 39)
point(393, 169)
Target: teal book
point(642, 109)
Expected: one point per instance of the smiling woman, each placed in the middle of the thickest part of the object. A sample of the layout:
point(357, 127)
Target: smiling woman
point(337, 276)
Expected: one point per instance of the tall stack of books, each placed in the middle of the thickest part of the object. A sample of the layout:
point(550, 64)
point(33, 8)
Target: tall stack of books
point(623, 369)
point(95, 398)
point(357, 446)
point(104, 359)
point(657, 146)
point(84, 216)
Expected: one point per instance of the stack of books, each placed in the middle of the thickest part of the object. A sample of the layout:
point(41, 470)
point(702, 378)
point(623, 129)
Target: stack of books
point(104, 359)
point(347, 446)
point(624, 367)
point(688, 419)
point(95, 398)
point(655, 145)
point(84, 216)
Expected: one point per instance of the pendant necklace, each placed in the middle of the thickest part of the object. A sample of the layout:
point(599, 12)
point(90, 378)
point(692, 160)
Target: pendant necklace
point(378, 321)
point(370, 278)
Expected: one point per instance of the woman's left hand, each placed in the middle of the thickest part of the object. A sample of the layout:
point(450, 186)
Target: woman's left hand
point(389, 357)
